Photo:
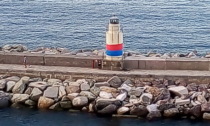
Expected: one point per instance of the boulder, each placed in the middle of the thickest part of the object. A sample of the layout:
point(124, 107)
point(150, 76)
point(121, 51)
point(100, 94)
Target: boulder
point(122, 96)
point(133, 100)
point(167, 106)
point(136, 91)
point(66, 104)
point(125, 87)
point(88, 94)
point(19, 98)
point(206, 116)
point(73, 89)
point(51, 92)
point(45, 103)
point(154, 115)
point(72, 96)
point(205, 107)
point(85, 87)
point(164, 95)
point(2, 84)
point(62, 91)
point(122, 110)
point(54, 81)
point(81, 81)
point(128, 82)
point(13, 78)
point(39, 84)
point(36, 94)
point(171, 112)
point(80, 101)
point(179, 90)
point(196, 111)
point(35, 79)
point(146, 98)
point(10, 85)
point(108, 89)
point(115, 81)
point(95, 90)
point(152, 108)
point(20, 85)
point(105, 95)
point(102, 103)
point(201, 99)
point(55, 106)
point(192, 87)
point(99, 84)
point(30, 102)
point(140, 111)
point(28, 90)
point(179, 101)
point(4, 99)
point(110, 109)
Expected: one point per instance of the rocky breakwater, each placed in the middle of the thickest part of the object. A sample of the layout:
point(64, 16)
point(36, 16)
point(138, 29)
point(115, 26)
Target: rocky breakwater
point(150, 99)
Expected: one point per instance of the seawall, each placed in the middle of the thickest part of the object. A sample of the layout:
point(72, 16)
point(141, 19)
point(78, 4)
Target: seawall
point(130, 63)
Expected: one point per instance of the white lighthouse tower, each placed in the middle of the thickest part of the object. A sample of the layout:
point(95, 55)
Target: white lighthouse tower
point(114, 40)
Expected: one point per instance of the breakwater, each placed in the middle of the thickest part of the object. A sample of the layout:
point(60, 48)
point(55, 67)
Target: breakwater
point(147, 99)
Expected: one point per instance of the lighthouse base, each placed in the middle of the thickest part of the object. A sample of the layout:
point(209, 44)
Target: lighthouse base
point(112, 65)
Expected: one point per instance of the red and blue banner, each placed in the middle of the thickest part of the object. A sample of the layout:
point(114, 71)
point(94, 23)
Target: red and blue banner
point(114, 50)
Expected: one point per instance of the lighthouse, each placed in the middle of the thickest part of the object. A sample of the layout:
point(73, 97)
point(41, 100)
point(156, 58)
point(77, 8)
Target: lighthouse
point(114, 40)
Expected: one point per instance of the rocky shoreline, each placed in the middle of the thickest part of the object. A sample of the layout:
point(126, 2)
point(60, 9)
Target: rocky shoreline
point(96, 52)
point(149, 99)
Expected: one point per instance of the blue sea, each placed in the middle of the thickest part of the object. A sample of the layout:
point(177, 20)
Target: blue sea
point(148, 25)
point(29, 117)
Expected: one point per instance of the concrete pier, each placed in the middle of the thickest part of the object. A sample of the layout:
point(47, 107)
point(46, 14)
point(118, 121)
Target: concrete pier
point(97, 74)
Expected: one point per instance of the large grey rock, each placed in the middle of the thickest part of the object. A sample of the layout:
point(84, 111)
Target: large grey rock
point(105, 95)
point(110, 109)
point(30, 102)
point(73, 89)
point(45, 103)
point(171, 112)
point(85, 87)
point(136, 91)
point(102, 103)
point(179, 90)
point(66, 104)
point(108, 89)
point(88, 94)
point(201, 99)
point(62, 91)
point(122, 110)
point(125, 87)
point(51, 92)
point(95, 90)
point(152, 108)
point(128, 82)
point(140, 111)
point(146, 98)
point(36, 94)
point(122, 96)
point(28, 90)
point(196, 111)
point(206, 116)
point(55, 106)
point(180, 101)
point(20, 85)
point(205, 107)
point(54, 81)
point(2, 84)
point(166, 106)
point(99, 84)
point(154, 115)
point(72, 96)
point(81, 81)
point(19, 98)
point(192, 87)
point(10, 85)
point(80, 101)
point(4, 99)
point(39, 84)
point(115, 81)
point(13, 78)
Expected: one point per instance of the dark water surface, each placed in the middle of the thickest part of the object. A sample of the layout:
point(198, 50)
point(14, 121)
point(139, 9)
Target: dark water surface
point(28, 117)
point(157, 25)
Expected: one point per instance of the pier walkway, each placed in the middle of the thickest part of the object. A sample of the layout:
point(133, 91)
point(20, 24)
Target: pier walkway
point(64, 72)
